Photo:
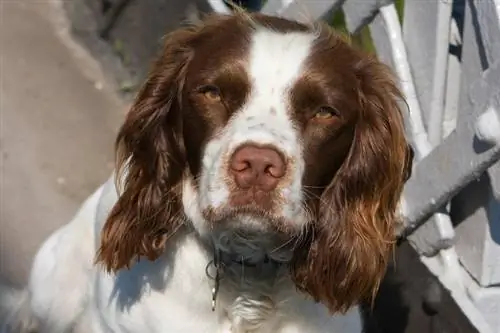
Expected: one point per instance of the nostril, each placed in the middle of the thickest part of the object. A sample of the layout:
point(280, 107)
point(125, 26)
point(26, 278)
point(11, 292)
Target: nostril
point(276, 171)
point(240, 165)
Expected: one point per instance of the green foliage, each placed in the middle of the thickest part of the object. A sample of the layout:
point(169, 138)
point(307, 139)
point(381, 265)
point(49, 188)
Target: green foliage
point(338, 21)
point(400, 6)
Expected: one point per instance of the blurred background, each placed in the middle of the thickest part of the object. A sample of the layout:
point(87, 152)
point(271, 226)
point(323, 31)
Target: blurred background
point(69, 69)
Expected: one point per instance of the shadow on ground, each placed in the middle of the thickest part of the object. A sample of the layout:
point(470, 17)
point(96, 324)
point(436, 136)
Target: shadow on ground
point(411, 300)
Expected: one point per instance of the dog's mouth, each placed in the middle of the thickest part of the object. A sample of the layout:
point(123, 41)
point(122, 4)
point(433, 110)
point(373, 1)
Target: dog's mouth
point(251, 218)
point(258, 200)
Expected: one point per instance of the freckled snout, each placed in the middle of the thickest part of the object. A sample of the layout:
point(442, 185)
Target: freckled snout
point(257, 167)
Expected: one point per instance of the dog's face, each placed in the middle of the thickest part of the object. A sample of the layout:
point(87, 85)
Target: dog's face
point(262, 125)
point(268, 122)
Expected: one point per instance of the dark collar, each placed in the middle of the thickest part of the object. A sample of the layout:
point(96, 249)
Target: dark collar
point(230, 259)
point(224, 258)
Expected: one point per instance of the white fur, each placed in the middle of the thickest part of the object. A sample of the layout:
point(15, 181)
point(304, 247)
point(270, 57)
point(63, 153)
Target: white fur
point(172, 294)
point(67, 293)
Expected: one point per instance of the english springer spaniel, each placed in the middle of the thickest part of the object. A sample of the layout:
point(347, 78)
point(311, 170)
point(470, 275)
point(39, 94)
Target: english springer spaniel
point(256, 190)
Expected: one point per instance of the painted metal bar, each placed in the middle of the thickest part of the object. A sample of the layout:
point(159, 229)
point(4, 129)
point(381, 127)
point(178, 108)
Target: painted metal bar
point(361, 13)
point(219, 6)
point(454, 163)
point(302, 11)
point(425, 35)
point(386, 26)
point(273, 7)
point(436, 115)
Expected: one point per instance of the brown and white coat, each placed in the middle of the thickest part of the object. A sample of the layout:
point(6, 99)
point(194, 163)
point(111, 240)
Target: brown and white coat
point(262, 154)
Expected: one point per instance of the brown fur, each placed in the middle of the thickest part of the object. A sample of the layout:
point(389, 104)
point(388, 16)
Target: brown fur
point(357, 188)
point(150, 162)
point(345, 256)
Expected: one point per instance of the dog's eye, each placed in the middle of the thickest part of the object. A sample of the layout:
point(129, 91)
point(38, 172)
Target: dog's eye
point(326, 113)
point(211, 93)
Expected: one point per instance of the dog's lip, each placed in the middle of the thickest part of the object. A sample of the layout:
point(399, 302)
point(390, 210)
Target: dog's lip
point(228, 212)
point(264, 220)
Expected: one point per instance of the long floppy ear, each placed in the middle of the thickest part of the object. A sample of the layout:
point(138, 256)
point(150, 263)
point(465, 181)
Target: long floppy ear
point(150, 163)
point(349, 247)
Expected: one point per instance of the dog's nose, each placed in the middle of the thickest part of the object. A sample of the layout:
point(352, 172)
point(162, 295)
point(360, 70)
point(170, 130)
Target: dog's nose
point(257, 166)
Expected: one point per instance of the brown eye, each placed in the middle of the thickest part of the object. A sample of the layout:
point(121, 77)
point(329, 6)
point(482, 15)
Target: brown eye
point(211, 93)
point(326, 113)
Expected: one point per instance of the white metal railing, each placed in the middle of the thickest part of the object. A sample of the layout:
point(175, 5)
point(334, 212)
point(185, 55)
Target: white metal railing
point(454, 124)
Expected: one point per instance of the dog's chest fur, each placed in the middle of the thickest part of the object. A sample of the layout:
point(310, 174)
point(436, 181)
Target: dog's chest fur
point(251, 299)
point(251, 288)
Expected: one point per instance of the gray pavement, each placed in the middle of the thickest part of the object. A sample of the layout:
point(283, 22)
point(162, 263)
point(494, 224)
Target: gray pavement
point(58, 120)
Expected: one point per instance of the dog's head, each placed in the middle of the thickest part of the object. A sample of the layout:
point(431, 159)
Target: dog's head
point(268, 127)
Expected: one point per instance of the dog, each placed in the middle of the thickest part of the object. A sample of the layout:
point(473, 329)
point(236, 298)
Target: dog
point(256, 189)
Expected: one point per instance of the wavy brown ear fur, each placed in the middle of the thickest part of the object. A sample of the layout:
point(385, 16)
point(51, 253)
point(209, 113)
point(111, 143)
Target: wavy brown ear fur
point(350, 245)
point(150, 163)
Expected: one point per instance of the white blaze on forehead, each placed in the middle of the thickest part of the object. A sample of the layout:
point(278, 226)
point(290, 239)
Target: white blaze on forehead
point(275, 63)
point(276, 60)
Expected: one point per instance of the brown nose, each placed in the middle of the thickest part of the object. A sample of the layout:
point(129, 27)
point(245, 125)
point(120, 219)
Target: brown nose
point(257, 166)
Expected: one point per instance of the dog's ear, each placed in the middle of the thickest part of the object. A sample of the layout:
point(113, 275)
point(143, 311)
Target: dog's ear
point(151, 157)
point(350, 245)
point(150, 162)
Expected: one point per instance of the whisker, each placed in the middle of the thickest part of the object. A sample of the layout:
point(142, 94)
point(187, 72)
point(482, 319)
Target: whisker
point(313, 187)
point(311, 195)
point(281, 246)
